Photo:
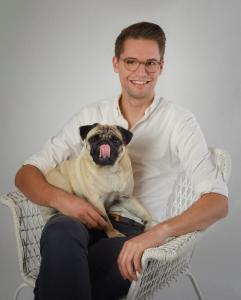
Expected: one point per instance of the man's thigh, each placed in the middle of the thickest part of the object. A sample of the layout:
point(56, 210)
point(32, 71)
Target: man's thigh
point(104, 253)
point(106, 280)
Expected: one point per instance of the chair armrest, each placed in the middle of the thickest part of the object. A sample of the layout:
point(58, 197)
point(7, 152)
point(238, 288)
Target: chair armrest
point(28, 225)
point(163, 265)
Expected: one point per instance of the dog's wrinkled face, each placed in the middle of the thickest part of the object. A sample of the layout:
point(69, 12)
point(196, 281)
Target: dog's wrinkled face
point(105, 142)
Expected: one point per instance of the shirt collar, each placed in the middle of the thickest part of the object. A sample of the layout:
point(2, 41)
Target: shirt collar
point(153, 105)
point(148, 111)
point(120, 120)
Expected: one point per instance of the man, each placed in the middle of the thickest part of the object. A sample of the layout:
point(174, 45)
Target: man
point(78, 261)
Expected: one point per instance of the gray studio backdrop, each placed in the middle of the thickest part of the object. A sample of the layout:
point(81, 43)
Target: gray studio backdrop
point(55, 56)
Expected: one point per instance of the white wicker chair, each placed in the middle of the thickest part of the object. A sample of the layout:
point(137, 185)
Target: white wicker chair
point(161, 266)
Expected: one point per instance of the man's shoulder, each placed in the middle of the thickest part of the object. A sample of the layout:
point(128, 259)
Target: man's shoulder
point(100, 104)
point(95, 111)
point(177, 111)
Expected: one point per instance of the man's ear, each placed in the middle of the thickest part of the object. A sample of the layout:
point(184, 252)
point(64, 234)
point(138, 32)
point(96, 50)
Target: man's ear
point(115, 63)
point(84, 130)
point(161, 66)
point(126, 135)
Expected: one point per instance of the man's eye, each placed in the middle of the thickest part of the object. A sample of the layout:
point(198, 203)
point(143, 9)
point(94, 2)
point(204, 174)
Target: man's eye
point(151, 63)
point(131, 61)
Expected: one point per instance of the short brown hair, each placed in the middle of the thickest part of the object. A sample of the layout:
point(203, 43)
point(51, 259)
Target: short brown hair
point(141, 30)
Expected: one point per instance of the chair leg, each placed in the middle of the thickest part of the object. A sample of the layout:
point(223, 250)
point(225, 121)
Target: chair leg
point(195, 285)
point(22, 286)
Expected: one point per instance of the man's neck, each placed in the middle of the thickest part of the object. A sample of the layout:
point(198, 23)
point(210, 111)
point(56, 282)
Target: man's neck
point(133, 109)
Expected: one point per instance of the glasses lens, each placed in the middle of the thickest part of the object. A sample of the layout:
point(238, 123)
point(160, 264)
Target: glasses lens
point(131, 64)
point(152, 66)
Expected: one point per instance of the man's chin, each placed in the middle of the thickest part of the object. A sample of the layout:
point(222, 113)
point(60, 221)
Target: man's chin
point(140, 95)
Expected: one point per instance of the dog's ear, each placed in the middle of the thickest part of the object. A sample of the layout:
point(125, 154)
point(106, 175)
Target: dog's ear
point(126, 135)
point(84, 130)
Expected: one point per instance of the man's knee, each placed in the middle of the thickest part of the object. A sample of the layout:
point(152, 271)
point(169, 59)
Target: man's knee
point(63, 230)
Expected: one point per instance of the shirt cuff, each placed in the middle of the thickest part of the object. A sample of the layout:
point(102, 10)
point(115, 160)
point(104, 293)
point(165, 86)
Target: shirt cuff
point(217, 186)
point(42, 166)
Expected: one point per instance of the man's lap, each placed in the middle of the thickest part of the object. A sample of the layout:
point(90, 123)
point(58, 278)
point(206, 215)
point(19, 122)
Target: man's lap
point(102, 253)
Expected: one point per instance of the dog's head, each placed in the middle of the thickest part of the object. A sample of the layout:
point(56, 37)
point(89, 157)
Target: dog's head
point(105, 143)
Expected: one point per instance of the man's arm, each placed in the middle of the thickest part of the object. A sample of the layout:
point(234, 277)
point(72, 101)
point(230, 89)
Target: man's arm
point(207, 210)
point(210, 208)
point(32, 183)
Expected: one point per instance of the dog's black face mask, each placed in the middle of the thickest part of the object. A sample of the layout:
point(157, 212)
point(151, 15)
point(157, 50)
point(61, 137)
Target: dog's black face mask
point(104, 149)
point(105, 145)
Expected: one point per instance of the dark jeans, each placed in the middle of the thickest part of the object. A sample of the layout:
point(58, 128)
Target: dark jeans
point(78, 263)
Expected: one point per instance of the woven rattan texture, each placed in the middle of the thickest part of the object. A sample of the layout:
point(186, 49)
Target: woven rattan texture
point(28, 225)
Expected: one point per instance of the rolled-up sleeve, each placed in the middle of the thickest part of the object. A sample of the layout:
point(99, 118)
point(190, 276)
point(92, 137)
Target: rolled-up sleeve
point(197, 160)
point(60, 147)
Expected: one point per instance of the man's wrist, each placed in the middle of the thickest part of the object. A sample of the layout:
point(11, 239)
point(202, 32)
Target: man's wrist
point(164, 229)
point(53, 196)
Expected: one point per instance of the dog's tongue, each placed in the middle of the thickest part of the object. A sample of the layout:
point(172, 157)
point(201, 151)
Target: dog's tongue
point(105, 150)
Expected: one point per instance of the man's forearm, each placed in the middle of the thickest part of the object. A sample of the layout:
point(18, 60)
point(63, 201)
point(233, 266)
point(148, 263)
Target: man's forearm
point(203, 213)
point(35, 187)
point(33, 184)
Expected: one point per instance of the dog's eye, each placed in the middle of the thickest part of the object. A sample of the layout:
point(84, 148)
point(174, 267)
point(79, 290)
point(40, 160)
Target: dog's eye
point(115, 140)
point(95, 138)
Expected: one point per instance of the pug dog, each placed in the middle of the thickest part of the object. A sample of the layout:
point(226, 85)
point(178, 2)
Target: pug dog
point(101, 174)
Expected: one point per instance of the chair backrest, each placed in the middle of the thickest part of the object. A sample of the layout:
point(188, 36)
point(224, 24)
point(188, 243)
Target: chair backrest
point(183, 194)
point(181, 197)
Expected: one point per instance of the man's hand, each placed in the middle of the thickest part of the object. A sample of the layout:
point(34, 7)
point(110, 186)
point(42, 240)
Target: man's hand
point(78, 208)
point(200, 215)
point(33, 184)
point(129, 260)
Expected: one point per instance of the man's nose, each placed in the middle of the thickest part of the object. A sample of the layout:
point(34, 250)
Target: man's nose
point(141, 70)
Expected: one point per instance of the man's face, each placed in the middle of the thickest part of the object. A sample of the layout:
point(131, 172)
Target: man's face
point(138, 84)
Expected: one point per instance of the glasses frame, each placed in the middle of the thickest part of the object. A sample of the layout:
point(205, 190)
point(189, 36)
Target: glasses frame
point(141, 63)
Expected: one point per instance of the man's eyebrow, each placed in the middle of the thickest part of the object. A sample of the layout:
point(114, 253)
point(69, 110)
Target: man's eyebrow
point(129, 57)
point(152, 59)
point(148, 59)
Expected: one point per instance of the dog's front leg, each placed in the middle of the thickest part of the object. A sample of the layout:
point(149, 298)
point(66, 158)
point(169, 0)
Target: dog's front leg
point(135, 208)
point(109, 229)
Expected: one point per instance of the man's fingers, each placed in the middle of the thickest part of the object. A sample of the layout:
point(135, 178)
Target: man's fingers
point(125, 263)
point(97, 215)
point(103, 217)
point(90, 222)
point(98, 219)
point(137, 262)
point(120, 262)
point(129, 269)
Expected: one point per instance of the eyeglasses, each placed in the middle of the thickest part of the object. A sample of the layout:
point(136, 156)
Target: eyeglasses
point(132, 64)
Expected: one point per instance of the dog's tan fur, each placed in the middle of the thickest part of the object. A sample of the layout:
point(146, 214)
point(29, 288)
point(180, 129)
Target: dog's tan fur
point(100, 185)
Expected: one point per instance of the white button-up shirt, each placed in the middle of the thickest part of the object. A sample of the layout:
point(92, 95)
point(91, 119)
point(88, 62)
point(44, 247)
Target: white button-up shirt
point(167, 141)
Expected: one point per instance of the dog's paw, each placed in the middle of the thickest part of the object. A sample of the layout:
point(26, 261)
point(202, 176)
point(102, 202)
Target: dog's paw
point(147, 220)
point(147, 225)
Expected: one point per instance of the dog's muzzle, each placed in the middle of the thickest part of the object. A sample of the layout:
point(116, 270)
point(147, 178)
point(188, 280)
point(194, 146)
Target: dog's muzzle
point(104, 153)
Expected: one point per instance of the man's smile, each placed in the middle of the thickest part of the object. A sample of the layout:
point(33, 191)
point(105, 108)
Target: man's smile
point(139, 82)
